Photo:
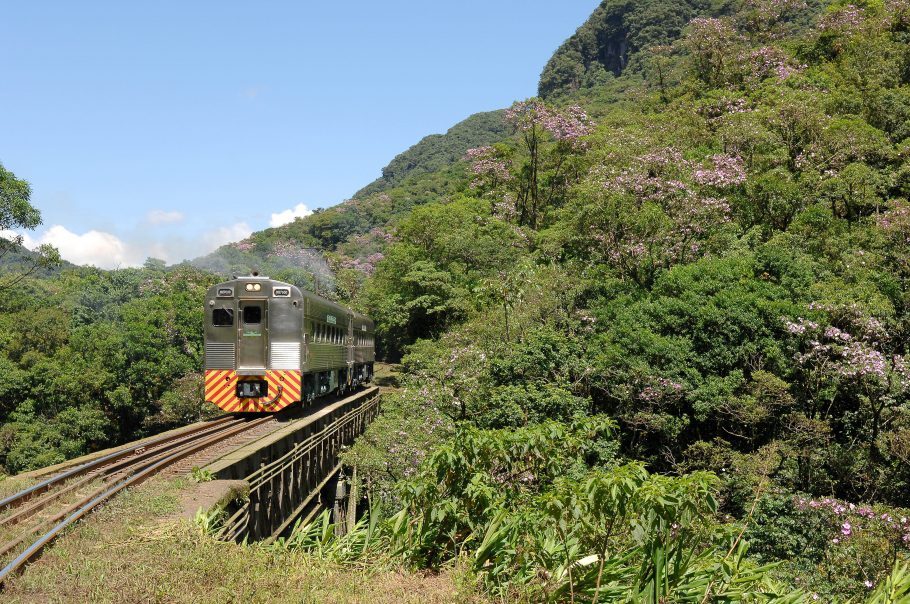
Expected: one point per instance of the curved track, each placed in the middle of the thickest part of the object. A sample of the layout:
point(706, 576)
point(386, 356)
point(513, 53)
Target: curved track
point(62, 500)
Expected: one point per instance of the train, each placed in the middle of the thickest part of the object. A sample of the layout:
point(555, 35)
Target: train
point(270, 345)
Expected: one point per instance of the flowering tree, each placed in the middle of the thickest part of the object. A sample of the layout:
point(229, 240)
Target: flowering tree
point(768, 61)
point(894, 223)
point(764, 18)
point(490, 169)
point(714, 45)
point(863, 541)
point(660, 210)
point(858, 359)
point(844, 19)
point(549, 137)
point(725, 171)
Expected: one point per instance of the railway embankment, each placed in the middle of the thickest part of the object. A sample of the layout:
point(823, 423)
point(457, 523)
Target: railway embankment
point(141, 548)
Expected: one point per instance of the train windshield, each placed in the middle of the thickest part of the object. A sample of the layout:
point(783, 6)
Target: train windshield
point(252, 315)
point(223, 317)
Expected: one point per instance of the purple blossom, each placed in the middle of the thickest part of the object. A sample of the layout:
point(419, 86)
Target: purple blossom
point(858, 518)
point(834, 333)
point(724, 107)
point(487, 166)
point(769, 61)
point(726, 171)
point(365, 265)
point(569, 125)
point(860, 360)
point(769, 12)
point(800, 326)
point(660, 389)
point(842, 20)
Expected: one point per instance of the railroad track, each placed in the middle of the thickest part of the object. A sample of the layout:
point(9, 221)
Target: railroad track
point(51, 506)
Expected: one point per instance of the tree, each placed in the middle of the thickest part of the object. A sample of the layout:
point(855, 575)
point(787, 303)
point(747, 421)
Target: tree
point(17, 213)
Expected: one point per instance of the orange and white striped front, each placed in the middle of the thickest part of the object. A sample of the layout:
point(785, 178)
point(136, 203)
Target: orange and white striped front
point(221, 390)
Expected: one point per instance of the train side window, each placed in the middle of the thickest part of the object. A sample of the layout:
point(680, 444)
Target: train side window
point(223, 317)
point(319, 333)
point(252, 315)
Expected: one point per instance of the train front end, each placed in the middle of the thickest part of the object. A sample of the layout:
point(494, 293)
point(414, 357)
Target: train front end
point(253, 345)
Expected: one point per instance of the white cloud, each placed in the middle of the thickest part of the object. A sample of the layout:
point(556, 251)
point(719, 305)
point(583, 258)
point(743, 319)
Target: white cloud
point(132, 247)
point(298, 211)
point(163, 217)
point(96, 248)
point(218, 237)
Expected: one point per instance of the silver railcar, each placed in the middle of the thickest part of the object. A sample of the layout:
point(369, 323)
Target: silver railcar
point(270, 344)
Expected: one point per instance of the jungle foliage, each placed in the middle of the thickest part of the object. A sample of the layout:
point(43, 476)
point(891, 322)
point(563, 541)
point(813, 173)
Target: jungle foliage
point(718, 265)
point(90, 359)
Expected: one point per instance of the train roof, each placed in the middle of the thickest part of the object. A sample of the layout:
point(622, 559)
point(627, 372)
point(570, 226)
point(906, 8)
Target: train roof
point(296, 292)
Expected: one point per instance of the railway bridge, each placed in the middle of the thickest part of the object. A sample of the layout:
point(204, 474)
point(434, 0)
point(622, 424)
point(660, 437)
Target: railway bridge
point(292, 473)
point(286, 466)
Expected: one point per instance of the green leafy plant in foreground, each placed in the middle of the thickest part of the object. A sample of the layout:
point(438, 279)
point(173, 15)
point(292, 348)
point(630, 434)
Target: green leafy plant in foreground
point(528, 515)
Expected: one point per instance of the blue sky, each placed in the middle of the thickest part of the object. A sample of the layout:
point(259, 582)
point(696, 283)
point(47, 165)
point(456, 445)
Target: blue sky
point(165, 129)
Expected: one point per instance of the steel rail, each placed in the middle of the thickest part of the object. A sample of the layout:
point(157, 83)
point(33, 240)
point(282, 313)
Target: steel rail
point(141, 453)
point(10, 545)
point(86, 505)
point(25, 494)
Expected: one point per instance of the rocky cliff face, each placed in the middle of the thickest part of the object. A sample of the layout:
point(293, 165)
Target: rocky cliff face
point(611, 40)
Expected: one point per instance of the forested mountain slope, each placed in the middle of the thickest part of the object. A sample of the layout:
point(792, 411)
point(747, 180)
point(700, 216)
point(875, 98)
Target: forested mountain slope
point(354, 231)
point(438, 151)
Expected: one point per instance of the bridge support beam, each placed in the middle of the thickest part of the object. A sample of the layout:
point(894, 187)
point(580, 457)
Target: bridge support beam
point(293, 472)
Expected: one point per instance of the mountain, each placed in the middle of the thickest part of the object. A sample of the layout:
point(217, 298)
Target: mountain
point(357, 227)
point(611, 40)
point(19, 260)
point(438, 151)
point(654, 342)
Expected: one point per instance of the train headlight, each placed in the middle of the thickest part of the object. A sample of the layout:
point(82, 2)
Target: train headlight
point(253, 287)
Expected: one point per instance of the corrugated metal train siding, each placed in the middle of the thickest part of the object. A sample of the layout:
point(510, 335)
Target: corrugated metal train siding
point(284, 355)
point(219, 355)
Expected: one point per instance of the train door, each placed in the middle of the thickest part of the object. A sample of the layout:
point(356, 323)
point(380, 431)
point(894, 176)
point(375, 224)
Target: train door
point(252, 336)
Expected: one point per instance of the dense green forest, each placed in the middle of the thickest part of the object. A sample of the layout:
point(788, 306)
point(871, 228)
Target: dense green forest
point(653, 326)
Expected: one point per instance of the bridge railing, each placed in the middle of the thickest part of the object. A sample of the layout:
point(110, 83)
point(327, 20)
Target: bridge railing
point(290, 487)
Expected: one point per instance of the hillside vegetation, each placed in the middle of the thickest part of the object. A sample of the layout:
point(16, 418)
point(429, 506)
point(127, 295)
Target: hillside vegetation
point(653, 334)
point(651, 346)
